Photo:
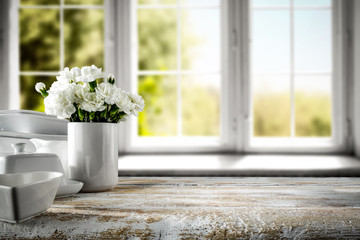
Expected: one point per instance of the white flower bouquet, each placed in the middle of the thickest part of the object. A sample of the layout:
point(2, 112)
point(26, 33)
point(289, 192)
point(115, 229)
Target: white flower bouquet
point(87, 95)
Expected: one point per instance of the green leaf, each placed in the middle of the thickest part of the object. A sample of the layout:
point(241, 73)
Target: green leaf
point(44, 93)
point(92, 86)
point(92, 115)
point(114, 110)
point(103, 113)
point(81, 114)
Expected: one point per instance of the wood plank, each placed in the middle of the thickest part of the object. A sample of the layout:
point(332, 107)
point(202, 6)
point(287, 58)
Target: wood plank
point(204, 208)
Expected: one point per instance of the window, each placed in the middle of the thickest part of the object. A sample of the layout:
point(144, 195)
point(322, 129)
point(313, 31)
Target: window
point(53, 35)
point(292, 73)
point(216, 75)
point(178, 71)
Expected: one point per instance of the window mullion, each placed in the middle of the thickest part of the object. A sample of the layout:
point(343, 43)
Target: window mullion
point(241, 78)
point(292, 84)
point(62, 62)
point(124, 64)
point(179, 77)
point(14, 57)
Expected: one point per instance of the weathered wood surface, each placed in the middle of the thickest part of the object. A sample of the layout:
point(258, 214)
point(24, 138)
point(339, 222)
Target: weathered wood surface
point(204, 208)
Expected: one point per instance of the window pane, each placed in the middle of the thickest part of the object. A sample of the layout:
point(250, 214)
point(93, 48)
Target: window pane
point(299, 3)
point(30, 99)
point(312, 41)
point(271, 3)
point(271, 105)
point(271, 92)
point(271, 41)
point(86, 2)
point(39, 39)
point(313, 105)
point(159, 117)
point(201, 105)
point(310, 50)
point(200, 39)
point(39, 2)
point(157, 2)
point(157, 39)
point(84, 37)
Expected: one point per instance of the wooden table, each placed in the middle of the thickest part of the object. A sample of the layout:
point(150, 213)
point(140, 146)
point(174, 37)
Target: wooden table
point(203, 208)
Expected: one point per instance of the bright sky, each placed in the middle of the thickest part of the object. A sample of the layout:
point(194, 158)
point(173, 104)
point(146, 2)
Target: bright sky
point(312, 45)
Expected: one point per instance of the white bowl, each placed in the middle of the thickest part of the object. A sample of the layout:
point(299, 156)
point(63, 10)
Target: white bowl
point(18, 162)
point(25, 195)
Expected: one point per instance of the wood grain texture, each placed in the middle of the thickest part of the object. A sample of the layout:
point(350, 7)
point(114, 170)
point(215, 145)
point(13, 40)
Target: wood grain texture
point(204, 208)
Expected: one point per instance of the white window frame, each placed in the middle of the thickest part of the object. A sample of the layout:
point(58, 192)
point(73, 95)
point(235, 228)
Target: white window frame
point(135, 144)
point(120, 47)
point(338, 141)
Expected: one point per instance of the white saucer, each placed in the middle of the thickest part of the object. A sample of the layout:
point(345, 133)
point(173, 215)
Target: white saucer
point(68, 188)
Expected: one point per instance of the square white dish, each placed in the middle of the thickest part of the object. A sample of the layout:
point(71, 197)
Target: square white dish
point(31, 122)
point(27, 162)
point(25, 195)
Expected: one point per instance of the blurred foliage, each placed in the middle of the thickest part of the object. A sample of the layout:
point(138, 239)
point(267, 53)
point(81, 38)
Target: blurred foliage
point(83, 31)
point(84, 37)
point(160, 115)
point(157, 39)
point(272, 115)
point(157, 43)
point(39, 2)
point(200, 108)
point(39, 39)
point(312, 115)
point(40, 45)
point(86, 2)
point(148, 2)
point(29, 98)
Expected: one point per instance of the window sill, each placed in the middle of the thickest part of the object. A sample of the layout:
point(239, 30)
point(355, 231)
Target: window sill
point(239, 165)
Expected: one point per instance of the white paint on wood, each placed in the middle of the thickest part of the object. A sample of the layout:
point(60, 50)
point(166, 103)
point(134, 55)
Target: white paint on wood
point(204, 208)
point(356, 73)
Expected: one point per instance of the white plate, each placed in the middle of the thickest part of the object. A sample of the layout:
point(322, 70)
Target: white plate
point(68, 188)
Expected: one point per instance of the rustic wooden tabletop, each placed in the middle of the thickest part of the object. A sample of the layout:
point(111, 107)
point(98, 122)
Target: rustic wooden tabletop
point(203, 208)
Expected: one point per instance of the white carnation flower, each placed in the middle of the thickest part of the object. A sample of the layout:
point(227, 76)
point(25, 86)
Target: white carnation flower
point(138, 102)
point(60, 86)
point(80, 91)
point(92, 102)
point(108, 92)
point(76, 87)
point(69, 75)
point(59, 104)
point(64, 75)
point(40, 86)
point(123, 101)
point(89, 74)
point(75, 72)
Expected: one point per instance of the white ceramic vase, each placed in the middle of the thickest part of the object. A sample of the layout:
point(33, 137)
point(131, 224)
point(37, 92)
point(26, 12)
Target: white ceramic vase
point(93, 155)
